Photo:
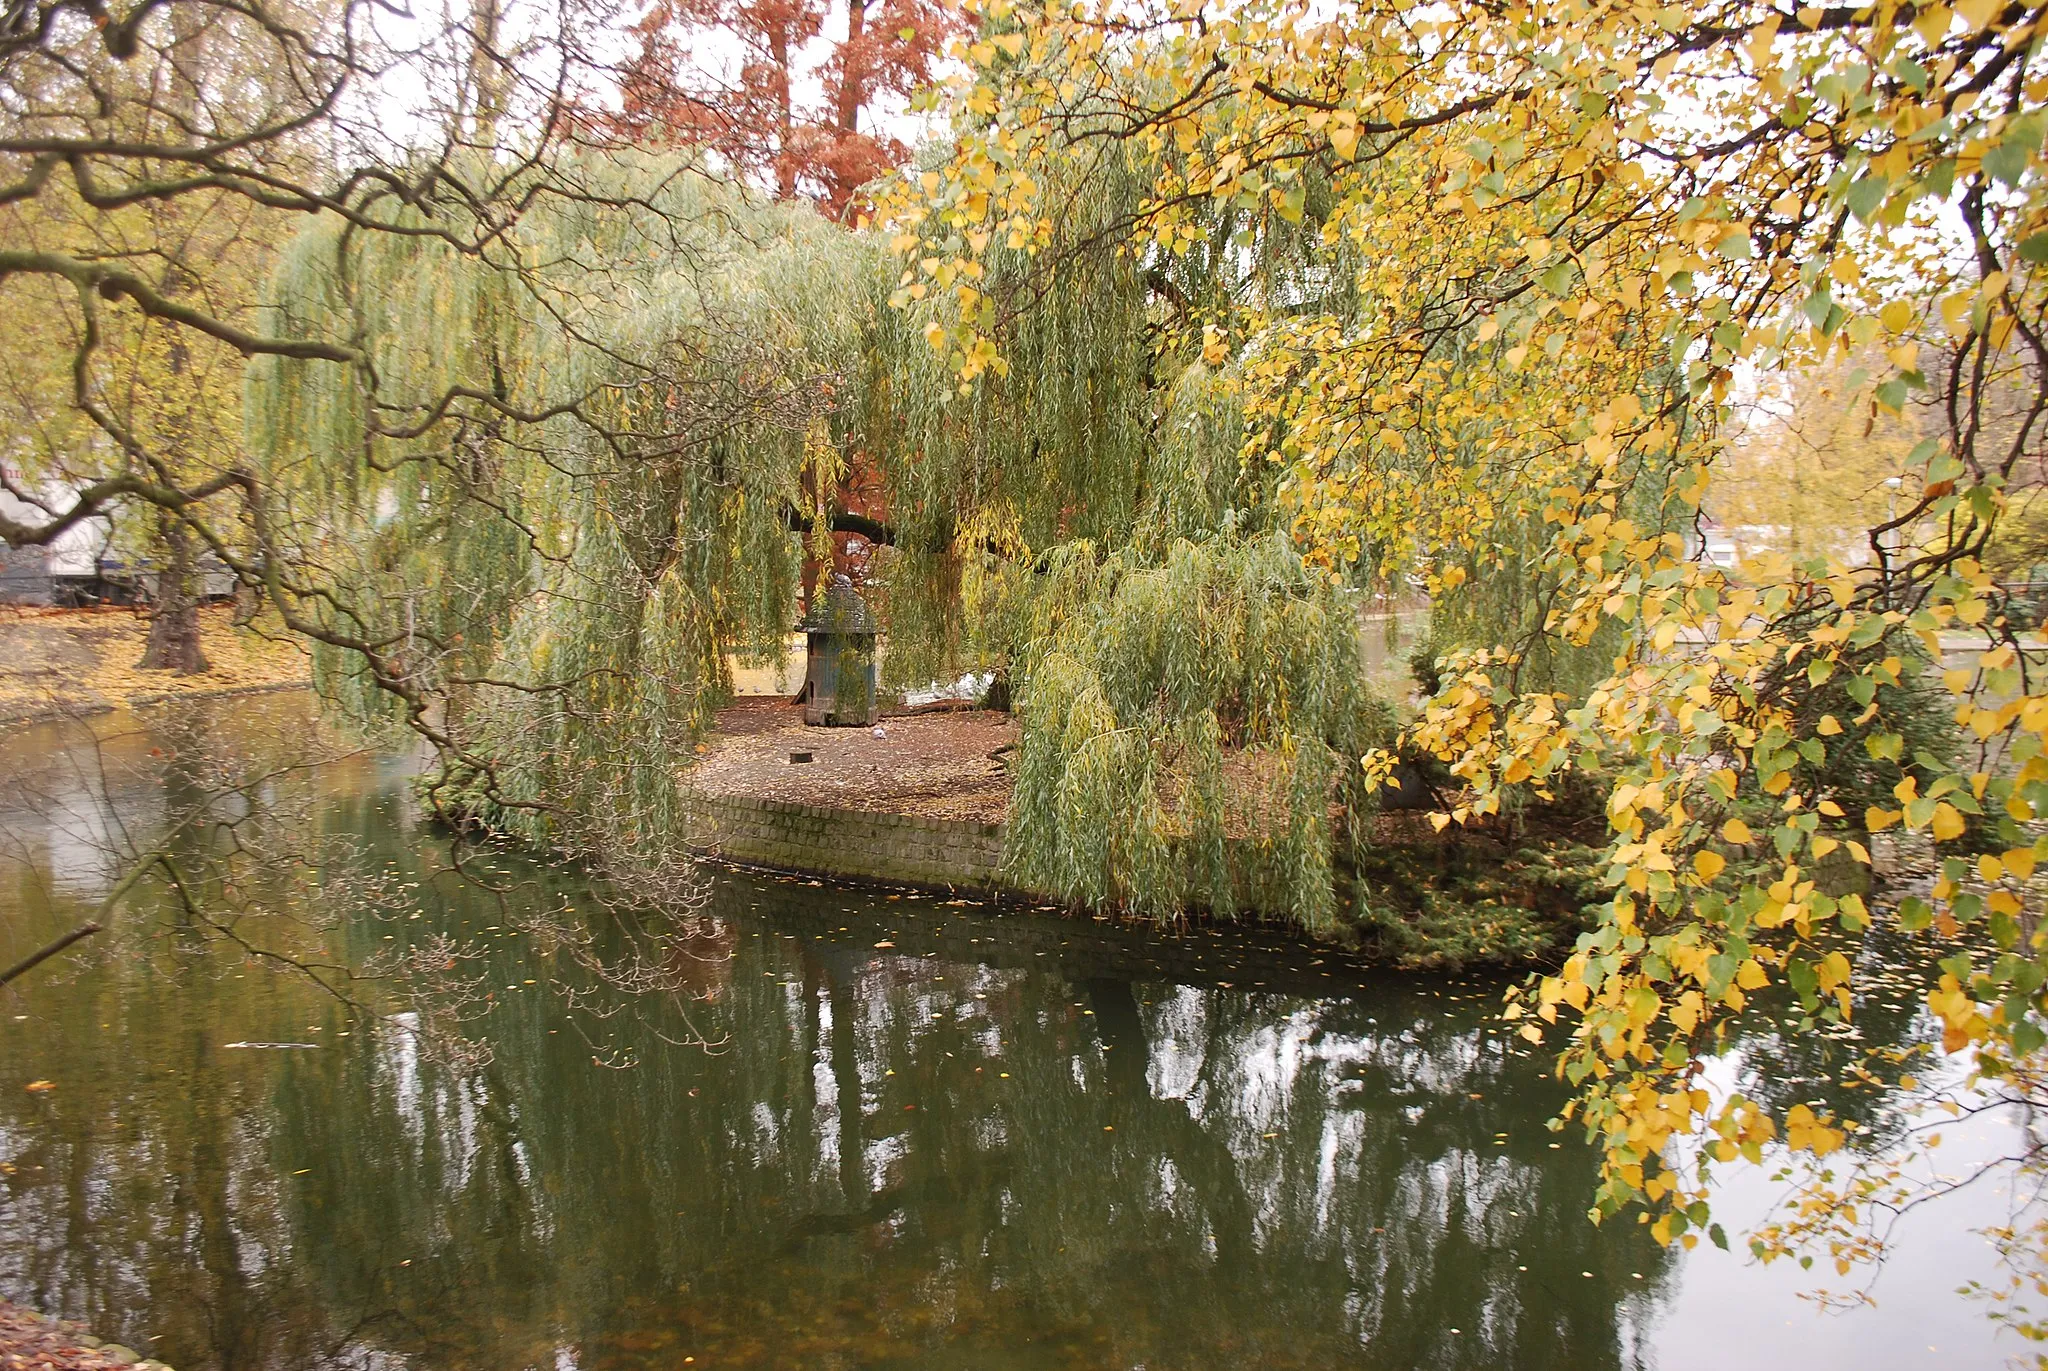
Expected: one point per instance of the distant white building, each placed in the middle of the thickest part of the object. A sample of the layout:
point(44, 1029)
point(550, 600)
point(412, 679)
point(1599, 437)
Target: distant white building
point(1728, 545)
point(32, 575)
point(1712, 544)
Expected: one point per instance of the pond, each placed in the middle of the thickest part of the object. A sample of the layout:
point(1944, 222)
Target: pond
point(820, 1127)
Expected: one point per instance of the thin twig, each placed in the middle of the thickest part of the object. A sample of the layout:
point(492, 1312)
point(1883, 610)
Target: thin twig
point(34, 959)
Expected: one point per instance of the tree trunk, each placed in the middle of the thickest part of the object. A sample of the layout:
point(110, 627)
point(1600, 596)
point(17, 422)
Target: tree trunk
point(486, 74)
point(174, 623)
point(785, 114)
point(852, 68)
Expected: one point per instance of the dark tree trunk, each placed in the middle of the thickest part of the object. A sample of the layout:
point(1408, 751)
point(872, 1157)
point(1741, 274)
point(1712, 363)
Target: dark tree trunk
point(486, 75)
point(785, 113)
point(174, 623)
point(851, 93)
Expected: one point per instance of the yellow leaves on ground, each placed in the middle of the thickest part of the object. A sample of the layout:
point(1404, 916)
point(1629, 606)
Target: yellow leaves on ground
point(52, 662)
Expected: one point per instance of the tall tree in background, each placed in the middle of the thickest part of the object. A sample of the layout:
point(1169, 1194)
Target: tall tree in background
point(732, 76)
point(1812, 463)
point(104, 384)
point(766, 88)
point(153, 159)
point(174, 643)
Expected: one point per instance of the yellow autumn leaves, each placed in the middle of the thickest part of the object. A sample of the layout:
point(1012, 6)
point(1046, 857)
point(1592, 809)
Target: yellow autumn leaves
point(1563, 232)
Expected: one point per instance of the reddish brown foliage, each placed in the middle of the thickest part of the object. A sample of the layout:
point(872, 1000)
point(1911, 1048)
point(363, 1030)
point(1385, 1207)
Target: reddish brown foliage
point(752, 112)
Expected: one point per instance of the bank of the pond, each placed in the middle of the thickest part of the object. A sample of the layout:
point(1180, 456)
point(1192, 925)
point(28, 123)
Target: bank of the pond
point(28, 1339)
point(849, 844)
point(68, 663)
point(923, 801)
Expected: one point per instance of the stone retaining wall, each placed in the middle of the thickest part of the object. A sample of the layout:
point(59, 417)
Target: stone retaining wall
point(951, 853)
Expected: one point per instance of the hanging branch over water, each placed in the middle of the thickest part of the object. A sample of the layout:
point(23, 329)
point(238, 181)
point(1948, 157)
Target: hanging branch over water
point(47, 951)
point(566, 569)
point(530, 425)
point(154, 162)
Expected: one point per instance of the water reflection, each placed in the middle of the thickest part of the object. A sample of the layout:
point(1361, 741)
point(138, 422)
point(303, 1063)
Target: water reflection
point(930, 1135)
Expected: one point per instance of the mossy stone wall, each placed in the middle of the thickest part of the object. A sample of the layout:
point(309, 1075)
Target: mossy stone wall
point(949, 853)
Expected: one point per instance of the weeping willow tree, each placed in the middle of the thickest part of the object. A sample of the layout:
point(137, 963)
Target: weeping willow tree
point(559, 492)
point(1121, 445)
point(570, 481)
point(1082, 518)
point(1107, 419)
point(1191, 722)
point(982, 479)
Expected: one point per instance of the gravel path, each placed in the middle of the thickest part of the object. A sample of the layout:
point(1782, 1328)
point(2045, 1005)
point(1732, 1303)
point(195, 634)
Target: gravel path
point(934, 766)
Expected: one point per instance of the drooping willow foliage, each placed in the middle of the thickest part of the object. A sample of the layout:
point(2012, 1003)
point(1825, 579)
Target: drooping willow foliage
point(563, 493)
point(1053, 450)
point(1191, 720)
point(1190, 693)
point(570, 551)
point(1103, 423)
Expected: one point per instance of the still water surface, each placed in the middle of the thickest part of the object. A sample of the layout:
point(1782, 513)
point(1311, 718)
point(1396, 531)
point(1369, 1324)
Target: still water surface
point(925, 1134)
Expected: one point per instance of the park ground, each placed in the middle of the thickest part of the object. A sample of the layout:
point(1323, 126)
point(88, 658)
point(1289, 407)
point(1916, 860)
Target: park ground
point(59, 662)
point(948, 764)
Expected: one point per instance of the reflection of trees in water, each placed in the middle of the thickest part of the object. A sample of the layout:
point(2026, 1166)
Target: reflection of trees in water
point(1192, 1160)
point(141, 1193)
point(1282, 1179)
point(74, 794)
point(1787, 1059)
point(1169, 1174)
point(181, 825)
